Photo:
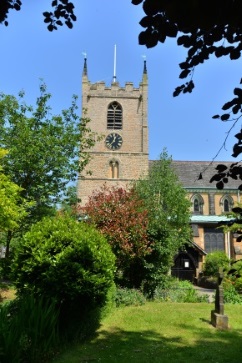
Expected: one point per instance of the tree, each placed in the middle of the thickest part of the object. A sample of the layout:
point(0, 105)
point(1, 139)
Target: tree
point(120, 216)
point(12, 206)
point(69, 201)
point(168, 219)
point(46, 151)
point(62, 13)
point(204, 28)
point(198, 26)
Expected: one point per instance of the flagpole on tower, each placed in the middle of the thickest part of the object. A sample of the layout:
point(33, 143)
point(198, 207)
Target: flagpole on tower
point(114, 67)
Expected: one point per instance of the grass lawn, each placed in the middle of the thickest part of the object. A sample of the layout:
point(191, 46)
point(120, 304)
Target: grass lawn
point(162, 333)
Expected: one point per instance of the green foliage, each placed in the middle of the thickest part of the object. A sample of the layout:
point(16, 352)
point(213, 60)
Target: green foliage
point(127, 297)
point(69, 200)
point(231, 296)
point(37, 161)
point(168, 219)
point(214, 261)
point(12, 205)
point(69, 262)
point(235, 275)
point(238, 284)
point(237, 266)
point(178, 291)
point(28, 330)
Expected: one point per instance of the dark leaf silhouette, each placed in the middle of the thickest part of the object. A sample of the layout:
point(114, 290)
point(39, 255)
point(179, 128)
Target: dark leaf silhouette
point(216, 177)
point(221, 167)
point(236, 108)
point(228, 105)
point(136, 2)
point(145, 21)
point(235, 54)
point(184, 73)
point(220, 185)
point(225, 116)
point(237, 210)
point(238, 92)
point(238, 136)
point(237, 149)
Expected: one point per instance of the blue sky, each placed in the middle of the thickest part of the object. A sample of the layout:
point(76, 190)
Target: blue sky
point(183, 125)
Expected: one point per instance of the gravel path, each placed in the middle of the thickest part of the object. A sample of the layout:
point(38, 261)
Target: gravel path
point(209, 292)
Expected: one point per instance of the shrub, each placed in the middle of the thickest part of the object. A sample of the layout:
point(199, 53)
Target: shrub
point(231, 295)
point(178, 291)
point(69, 262)
point(238, 284)
point(214, 261)
point(235, 275)
point(127, 297)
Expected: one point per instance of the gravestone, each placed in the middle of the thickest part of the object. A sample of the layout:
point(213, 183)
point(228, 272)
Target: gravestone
point(218, 319)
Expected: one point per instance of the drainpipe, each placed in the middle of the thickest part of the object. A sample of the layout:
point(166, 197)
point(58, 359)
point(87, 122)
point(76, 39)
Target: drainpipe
point(228, 245)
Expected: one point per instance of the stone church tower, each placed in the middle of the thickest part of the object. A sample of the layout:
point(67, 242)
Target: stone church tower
point(120, 115)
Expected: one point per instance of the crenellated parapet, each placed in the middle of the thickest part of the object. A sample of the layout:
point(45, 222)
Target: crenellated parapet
point(119, 114)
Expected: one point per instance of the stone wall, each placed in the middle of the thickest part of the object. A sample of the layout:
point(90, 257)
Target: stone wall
point(132, 157)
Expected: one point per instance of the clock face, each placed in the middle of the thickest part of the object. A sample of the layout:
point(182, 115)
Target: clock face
point(113, 141)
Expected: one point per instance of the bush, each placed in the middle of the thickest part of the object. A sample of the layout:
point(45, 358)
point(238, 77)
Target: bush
point(231, 295)
point(127, 297)
point(178, 291)
point(238, 284)
point(235, 275)
point(214, 261)
point(69, 262)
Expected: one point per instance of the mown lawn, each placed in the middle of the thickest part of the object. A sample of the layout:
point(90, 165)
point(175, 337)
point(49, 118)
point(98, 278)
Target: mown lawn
point(161, 333)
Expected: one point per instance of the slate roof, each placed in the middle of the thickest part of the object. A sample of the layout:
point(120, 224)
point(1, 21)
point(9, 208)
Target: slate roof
point(188, 173)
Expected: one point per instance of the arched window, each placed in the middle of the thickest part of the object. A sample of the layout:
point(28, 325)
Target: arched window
point(196, 207)
point(115, 116)
point(197, 204)
point(226, 203)
point(113, 169)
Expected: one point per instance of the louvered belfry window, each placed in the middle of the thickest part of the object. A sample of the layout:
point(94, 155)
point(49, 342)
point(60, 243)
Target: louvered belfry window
point(115, 116)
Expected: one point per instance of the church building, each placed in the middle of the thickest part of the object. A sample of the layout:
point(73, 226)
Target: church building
point(120, 115)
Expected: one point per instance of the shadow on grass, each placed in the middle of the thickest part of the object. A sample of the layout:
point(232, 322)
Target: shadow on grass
point(203, 344)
